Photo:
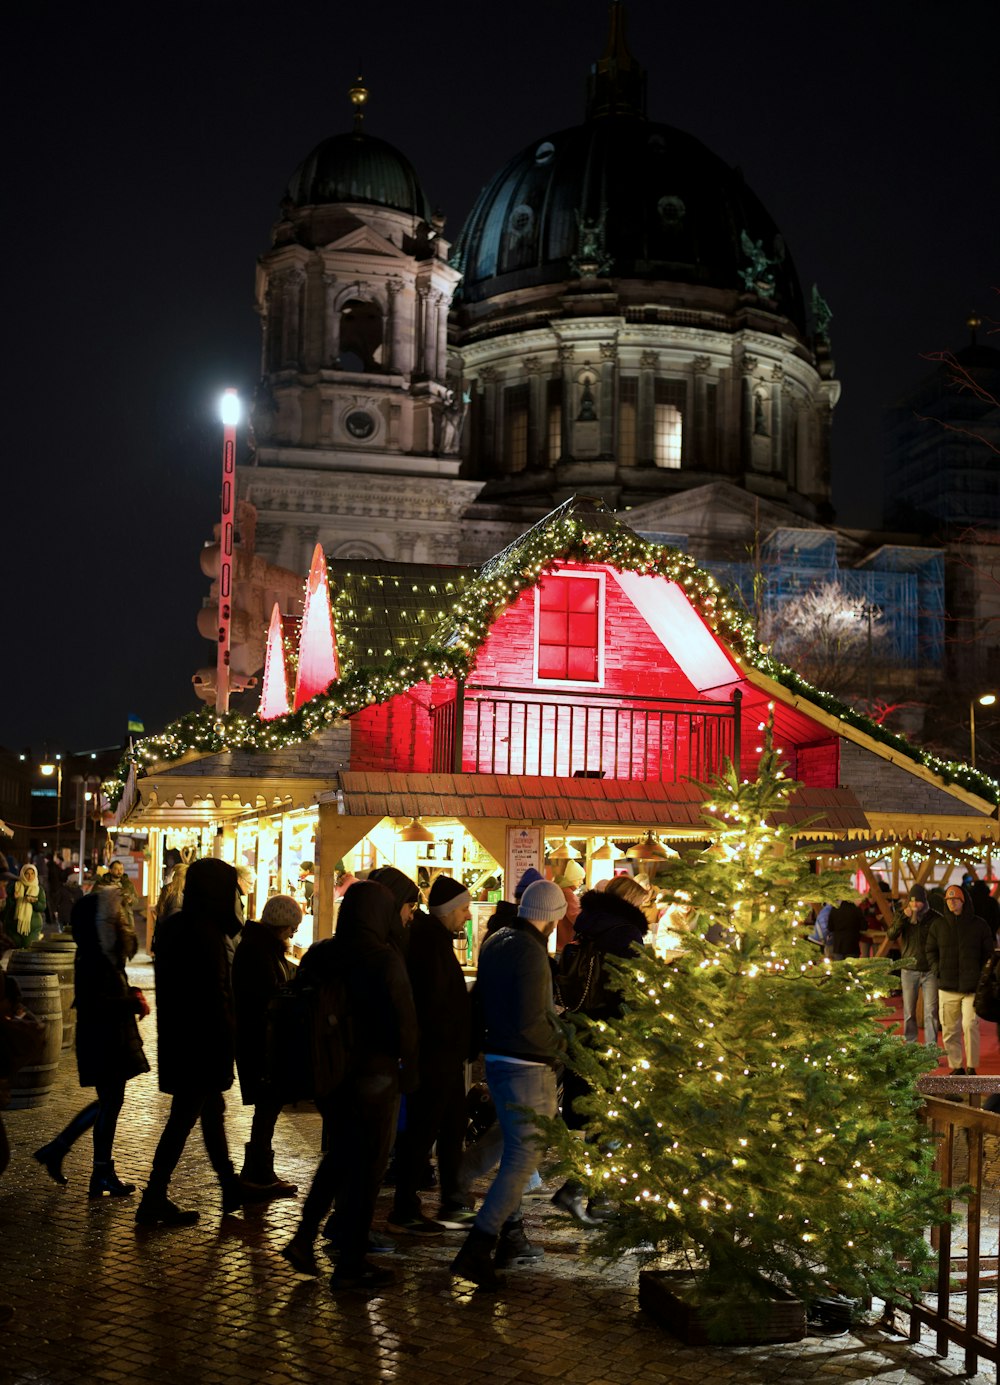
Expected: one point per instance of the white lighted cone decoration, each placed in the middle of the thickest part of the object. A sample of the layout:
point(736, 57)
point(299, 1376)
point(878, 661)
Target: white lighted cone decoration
point(274, 694)
point(317, 643)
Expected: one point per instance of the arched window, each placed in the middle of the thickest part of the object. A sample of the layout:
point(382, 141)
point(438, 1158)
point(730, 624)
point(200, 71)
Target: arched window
point(361, 336)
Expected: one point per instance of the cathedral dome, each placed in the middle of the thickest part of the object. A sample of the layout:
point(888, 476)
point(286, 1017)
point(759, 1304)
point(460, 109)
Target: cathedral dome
point(355, 167)
point(621, 198)
point(661, 207)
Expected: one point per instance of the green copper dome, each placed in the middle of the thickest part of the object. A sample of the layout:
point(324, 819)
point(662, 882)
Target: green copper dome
point(355, 167)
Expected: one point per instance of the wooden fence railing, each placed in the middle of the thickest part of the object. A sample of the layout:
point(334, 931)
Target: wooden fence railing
point(961, 1131)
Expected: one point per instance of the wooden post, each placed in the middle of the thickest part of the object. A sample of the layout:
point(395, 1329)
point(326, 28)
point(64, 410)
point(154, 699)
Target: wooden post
point(458, 735)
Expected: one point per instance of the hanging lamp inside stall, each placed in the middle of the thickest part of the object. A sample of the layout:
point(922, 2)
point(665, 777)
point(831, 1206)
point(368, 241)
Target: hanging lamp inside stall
point(415, 831)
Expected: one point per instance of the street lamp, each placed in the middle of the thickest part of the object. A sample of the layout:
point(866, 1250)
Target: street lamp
point(984, 700)
point(230, 412)
point(48, 768)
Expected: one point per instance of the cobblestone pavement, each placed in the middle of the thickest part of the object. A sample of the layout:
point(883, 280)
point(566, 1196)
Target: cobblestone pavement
point(99, 1301)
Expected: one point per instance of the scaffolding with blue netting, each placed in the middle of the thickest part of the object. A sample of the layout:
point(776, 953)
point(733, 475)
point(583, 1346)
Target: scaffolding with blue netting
point(903, 585)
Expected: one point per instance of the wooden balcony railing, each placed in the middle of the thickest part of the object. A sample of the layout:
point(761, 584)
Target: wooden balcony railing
point(960, 1160)
point(509, 731)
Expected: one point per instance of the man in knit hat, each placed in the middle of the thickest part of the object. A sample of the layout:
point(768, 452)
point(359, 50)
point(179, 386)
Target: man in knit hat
point(436, 1110)
point(523, 1046)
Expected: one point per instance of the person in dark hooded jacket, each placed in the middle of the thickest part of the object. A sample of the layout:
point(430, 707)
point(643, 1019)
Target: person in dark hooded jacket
point(958, 946)
point(610, 920)
point(360, 1113)
point(108, 1047)
point(196, 1034)
point(406, 897)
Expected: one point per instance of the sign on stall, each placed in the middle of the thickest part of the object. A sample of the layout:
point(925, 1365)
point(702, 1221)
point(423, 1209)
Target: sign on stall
point(524, 852)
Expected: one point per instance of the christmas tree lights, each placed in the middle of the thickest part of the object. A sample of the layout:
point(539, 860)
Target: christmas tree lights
point(751, 1111)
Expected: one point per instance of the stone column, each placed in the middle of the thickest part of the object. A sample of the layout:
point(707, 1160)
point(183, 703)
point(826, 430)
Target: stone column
point(331, 321)
point(645, 430)
point(420, 331)
point(698, 453)
point(568, 411)
point(488, 379)
point(537, 413)
point(292, 333)
point(748, 364)
point(608, 408)
point(440, 336)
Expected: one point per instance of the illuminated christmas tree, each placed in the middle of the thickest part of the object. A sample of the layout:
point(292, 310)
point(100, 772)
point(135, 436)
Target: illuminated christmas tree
point(750, 1111)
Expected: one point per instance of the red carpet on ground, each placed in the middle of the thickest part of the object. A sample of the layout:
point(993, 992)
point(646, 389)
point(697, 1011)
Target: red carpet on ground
point(989, 1047)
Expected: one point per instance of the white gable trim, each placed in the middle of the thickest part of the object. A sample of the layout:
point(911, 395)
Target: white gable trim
point(682, 632)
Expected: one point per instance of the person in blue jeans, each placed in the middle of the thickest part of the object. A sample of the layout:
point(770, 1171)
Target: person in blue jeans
point(523, 1045)
point(911, 928)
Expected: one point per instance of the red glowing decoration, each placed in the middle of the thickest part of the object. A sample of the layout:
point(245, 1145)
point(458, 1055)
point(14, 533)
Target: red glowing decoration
point(274, 695)
point(317, 642)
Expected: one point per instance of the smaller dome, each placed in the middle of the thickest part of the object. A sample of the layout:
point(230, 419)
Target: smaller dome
point(355, 167)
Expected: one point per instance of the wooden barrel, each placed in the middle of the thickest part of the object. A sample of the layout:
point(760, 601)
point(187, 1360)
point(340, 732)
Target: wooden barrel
point(40, 994)
point(56, 953)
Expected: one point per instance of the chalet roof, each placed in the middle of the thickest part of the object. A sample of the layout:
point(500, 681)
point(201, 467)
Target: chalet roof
point(385, 612)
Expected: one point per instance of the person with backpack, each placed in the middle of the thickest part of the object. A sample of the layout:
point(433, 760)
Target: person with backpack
point(363, 974)
point(610, 921)
point(911, 928)
point(260, 968)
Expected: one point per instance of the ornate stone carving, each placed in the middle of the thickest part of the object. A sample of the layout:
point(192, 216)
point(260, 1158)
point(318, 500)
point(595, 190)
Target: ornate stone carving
point(488, 374)
point(649, 360)
point(777, 373)
point(609, 350)
point(700, 364)
point(591, 258)
point(748, 364)
point(566, 353)
point(533, 365)
point(394, 286)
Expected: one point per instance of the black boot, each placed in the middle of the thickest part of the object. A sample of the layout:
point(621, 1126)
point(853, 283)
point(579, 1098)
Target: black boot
point(234, 1195)
point(569, 1198)
point(258, 1178)
point(514, 1248)
point(475, 1260)
point(50, 1156)
point(156, 1209)
point(105, 1180)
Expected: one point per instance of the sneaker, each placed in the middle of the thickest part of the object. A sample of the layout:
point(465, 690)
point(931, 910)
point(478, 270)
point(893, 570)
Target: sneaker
point(417, 1225)
point(366, 1278)
point(456, 1218)
point(514, 1248)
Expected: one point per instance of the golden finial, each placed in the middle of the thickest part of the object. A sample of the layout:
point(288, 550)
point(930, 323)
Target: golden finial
point(972, 322)
point(359, 95)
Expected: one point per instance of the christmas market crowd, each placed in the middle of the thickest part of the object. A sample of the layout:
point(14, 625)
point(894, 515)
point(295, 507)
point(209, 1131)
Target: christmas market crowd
point(424, 1080)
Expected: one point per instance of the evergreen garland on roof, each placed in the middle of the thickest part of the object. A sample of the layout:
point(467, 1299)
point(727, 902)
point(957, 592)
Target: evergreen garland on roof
point(573, 532)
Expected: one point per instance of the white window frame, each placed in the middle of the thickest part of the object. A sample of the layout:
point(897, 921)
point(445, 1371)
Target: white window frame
point(600, 578)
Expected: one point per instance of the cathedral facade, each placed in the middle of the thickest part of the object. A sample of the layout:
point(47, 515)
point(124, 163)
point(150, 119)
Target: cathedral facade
point(619, 316)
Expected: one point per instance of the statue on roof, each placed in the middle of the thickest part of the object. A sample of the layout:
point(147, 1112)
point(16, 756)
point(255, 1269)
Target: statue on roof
point(759, 275)
point(822, 316)
point(591, 258)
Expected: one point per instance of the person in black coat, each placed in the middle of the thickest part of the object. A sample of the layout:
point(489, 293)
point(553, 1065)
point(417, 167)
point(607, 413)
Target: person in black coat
point(436, 1111)
point(109, 1050)
point(846, 924)
point(196, 1034)
point(382, 1062)
point(958, 947)
point(260, 968)
point(610, 920)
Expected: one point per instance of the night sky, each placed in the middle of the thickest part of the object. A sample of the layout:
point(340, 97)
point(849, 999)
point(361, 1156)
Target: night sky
point(148, 149)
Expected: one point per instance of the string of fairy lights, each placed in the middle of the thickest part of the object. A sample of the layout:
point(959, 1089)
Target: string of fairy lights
point(464, 614)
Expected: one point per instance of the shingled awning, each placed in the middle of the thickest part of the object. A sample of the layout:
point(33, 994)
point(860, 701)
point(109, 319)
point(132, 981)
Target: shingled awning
point(623, 805)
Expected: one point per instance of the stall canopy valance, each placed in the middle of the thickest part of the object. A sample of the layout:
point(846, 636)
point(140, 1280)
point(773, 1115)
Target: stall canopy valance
point(584, 803)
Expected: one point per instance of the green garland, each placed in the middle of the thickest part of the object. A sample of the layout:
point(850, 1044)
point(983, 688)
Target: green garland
point(452, 648)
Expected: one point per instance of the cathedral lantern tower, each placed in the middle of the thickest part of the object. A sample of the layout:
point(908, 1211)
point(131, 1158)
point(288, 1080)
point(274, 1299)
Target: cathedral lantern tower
point(356, 431)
